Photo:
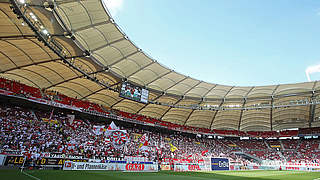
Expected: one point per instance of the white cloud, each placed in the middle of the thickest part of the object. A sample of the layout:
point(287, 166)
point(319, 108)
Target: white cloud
point(114, 6)
point(311, 70)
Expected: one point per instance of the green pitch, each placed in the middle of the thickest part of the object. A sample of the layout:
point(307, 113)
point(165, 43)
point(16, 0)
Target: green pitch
point(163, 175)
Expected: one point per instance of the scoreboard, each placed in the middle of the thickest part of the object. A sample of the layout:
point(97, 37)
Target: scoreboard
point(132, 92)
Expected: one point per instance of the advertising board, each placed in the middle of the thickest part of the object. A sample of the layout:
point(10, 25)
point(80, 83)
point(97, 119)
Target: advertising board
point(219, 164)
point(189, 167)
point(112, 166)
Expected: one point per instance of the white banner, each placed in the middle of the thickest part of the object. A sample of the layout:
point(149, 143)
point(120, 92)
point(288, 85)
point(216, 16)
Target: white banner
point(113, 166)
point(189, 167)
point(2, 159)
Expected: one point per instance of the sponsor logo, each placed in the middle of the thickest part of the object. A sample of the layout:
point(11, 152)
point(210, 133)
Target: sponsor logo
point(135, 167)
point(69, 165)
point(193, 167)
point(223, 164)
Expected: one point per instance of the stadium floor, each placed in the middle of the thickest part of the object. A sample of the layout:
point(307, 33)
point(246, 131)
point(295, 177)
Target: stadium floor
point(166, 175)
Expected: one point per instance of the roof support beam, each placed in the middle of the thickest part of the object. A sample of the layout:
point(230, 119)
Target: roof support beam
point(271, 109)
point(12, 61)
point(271, 114)
point(244, 102)
point(183, 98)
point(222, 101)
point(208, 92)
point(312, 109)
point(241, 112)
point(185, 122)
point(28, 36)
point(215, 114)
point(117, 102)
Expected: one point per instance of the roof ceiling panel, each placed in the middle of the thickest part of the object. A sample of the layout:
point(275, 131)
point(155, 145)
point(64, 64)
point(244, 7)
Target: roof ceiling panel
point(218, 92)
point(37, 78)
point(154, 110)
point(184, 86)
point(177, 115)
point(238, 92)
point(96, 38)
point(81, 14)
point(49, 74)
point(166, 81)
point(106, 96)
point(294, 88)
point(110, 32)
point(200, 90)
point(128, 106)
point(203, 118)
point(148, 74)
point(111, 54)
point(226, 120)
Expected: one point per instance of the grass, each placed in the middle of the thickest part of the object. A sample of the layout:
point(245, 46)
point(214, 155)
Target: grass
point(163, 175)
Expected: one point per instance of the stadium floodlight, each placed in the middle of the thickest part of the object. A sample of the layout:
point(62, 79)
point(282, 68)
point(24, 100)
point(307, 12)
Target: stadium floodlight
point(45, 32)
point(22, 1)
point(33, 16)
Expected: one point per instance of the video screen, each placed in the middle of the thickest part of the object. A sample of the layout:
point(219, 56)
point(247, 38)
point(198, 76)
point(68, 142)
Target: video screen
point(133, 92)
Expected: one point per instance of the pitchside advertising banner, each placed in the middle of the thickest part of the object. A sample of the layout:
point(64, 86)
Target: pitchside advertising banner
point(2, 159)
point(46, 161)
point(219, 164)
point(113, 166)
point(190, 167)
point(14, 160)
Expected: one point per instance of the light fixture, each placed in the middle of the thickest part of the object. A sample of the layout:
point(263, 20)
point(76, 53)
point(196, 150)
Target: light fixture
point(22, 1)
point(45, 32)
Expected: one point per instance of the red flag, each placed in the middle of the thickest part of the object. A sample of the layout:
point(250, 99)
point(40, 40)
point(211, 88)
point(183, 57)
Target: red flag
point(204, 152)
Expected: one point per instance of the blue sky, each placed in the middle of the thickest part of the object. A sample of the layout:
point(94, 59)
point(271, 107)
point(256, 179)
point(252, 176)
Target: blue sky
point(231, 42)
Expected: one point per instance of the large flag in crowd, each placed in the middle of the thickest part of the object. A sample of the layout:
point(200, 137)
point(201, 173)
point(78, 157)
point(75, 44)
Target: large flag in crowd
point(117, 137)
point(172, 147)
point(98, 130)
point(112, 127)
point(144, 144)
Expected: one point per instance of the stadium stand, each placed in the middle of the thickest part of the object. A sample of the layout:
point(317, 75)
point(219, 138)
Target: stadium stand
point(70, 99)
point(35, 133)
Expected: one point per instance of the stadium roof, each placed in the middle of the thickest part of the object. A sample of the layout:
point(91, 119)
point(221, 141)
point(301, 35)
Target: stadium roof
point(74, 47)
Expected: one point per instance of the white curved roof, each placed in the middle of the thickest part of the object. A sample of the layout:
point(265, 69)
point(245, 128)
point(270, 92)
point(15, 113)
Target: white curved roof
point(113, 58)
